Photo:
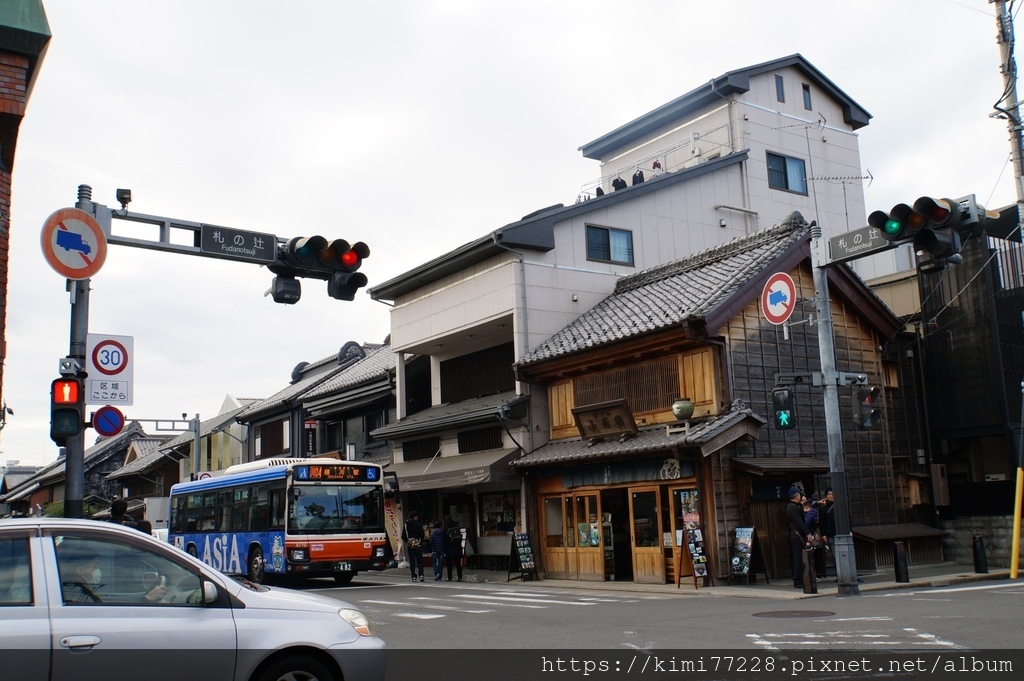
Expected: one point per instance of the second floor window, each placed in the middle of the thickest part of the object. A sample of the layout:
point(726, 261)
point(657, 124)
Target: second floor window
point(787, 173)
point(606, 244)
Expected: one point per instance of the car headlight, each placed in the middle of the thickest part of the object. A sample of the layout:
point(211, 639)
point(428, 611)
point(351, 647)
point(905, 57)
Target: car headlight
point(357, 620)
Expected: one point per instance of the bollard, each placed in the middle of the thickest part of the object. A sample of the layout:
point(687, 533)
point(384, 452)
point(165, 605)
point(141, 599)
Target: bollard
point(899, 561)
point(980, 559)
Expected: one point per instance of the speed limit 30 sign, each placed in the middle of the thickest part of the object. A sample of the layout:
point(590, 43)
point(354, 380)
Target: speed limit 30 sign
point(109, 362)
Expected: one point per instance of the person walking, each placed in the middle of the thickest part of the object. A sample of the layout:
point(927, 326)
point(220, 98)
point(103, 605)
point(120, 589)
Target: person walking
point(827, 525)
point(412, 535)
point(437, 542)
point(799, 535)
point(453, 546)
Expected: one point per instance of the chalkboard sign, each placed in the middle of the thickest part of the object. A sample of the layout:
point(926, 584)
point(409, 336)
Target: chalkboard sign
point(521, 559)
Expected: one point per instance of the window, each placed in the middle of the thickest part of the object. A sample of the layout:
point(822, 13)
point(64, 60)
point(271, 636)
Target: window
point(605, 244)
point(374, 420)
point(95, 571)
point(787, 173)
point(335, 436)
point(780, 90)
point(479, 440)
point(15, 574)
point(807, 96)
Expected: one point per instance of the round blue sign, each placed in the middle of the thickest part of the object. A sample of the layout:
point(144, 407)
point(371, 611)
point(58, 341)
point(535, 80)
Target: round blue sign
point(108, 421)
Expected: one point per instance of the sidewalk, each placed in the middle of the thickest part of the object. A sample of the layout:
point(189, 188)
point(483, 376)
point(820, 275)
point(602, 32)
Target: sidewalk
point(922, 576)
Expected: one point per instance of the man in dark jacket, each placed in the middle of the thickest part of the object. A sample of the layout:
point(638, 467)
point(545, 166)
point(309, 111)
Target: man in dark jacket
point(799, 535)
point(119, 513)
point(413, 537)
point(453, 546)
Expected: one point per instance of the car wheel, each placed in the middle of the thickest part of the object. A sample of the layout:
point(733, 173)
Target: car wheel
point(297, 669)
point(192, 551)
point(255, 571)
point(343, 577)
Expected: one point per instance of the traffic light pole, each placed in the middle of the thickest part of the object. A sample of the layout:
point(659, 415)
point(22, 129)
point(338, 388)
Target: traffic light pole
point(74, 449)
point(846, 561)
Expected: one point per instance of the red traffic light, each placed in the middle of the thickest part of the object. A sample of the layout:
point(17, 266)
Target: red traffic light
point(65, 391)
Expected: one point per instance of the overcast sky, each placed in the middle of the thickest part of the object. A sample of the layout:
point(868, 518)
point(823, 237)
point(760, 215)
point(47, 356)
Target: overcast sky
point(416, 127)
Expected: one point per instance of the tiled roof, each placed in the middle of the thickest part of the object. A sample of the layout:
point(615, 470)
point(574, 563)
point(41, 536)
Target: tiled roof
point(377, 363)
point(670, 294)
point(97, 453)
point(310, 376)
point(149, 450)
point(648, 440)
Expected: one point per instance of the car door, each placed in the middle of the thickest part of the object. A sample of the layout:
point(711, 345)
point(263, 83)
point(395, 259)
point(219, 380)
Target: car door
point(102, 617)
point(24, 628)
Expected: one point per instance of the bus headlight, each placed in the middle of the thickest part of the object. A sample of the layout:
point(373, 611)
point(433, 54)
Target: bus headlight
point(379, 553)
point(298, 555)
point(358, 621)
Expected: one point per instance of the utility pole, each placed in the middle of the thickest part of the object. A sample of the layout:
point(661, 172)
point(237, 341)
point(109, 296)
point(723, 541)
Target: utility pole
point(846, 560)
point(1011, 110)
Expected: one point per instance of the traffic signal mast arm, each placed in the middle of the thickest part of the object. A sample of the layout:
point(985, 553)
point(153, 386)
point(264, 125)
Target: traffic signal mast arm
point(314, 257)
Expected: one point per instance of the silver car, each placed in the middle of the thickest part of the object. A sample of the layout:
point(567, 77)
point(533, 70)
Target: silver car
point(81, 599)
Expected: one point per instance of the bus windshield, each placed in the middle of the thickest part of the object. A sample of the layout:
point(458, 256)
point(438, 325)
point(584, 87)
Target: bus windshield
point(333, 509)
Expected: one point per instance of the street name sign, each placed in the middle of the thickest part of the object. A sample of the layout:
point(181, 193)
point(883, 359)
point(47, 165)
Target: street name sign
point(237, 244)
point(857, 244)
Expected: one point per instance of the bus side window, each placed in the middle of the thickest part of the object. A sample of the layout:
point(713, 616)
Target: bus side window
point(260, 517)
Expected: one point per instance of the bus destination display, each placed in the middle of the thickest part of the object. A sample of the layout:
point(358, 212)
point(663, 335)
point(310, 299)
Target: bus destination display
point(335, 473)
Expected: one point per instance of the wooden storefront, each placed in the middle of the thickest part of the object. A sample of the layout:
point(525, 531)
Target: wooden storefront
point(620, 531)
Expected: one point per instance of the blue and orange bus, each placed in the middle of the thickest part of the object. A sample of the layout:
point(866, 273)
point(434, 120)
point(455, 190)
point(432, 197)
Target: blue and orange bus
point(291, 517)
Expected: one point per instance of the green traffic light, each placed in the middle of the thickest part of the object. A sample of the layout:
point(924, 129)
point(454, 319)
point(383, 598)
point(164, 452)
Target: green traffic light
point(892, 227)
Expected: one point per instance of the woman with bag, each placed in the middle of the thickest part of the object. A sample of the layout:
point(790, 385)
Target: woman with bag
point(413, 535)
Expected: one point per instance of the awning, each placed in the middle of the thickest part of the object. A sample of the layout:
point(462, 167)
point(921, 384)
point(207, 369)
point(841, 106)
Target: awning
point(455, 471)
point(762, 465)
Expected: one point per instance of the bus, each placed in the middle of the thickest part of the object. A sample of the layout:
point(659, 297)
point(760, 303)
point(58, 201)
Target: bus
point(287, 517)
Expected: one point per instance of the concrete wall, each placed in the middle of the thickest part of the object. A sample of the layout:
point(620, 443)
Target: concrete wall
point(996, 531)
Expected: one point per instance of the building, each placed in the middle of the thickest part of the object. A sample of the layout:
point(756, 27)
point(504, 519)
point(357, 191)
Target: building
point(24, 35)
point(736, 154)
point(624, 481)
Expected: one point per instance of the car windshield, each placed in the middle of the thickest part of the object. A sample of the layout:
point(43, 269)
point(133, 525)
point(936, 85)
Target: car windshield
point(323, 509)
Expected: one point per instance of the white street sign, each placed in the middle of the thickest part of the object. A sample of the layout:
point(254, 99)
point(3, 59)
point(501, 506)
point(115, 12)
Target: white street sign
point(109, 361)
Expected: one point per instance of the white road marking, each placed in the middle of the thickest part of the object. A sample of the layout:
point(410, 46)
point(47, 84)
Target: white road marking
point(526, 600)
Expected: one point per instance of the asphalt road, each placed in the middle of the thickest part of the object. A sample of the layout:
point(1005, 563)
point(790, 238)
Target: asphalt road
point(497, 616)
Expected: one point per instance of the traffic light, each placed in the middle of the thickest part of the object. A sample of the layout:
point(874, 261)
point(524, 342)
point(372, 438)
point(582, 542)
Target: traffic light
point(932, 225)
point(315, 257)
point(785, 408)
point(867, 412)
point(67, 409)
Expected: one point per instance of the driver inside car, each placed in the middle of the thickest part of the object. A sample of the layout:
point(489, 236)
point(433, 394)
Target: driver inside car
point(81, 577)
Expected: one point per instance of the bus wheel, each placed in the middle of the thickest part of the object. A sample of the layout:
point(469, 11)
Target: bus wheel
point(192, 551)
point(343, 577)
point(255, 571)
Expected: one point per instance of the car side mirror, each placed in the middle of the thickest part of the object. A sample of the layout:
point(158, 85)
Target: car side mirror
point(209, 592)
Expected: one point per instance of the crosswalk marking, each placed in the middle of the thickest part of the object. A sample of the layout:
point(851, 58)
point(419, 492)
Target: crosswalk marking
point(516, 599)
point(846, 639)
point(476, 603)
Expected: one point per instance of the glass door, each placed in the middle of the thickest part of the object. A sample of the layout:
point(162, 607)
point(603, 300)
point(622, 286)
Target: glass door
point(646, 539)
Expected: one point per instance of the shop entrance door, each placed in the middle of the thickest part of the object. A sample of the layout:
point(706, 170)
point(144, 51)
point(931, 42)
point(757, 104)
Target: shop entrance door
point(573, 540)
point(648, 555)
point(769, 519)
